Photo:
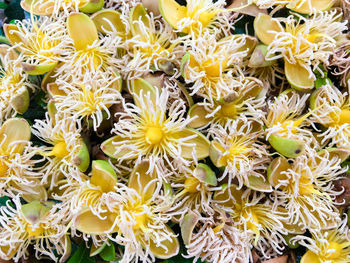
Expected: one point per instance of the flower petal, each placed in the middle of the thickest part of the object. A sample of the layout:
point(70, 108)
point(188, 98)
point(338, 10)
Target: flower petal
point(20, 102)
point(137, 14)
point(298, 76)
point(259, 183)
point(319, 5)
point(107, 17)
point(171, 245)
point(108, 147)
point(187, 226)
point(82, 30)
point(275, 169)
point(205, 174)
point(138, 85)
point(263, 24)
point(201, 144)
point(82, 158)
point(89, 223)
point(11, 33)
point(310, 257)
point(39, 69)
point(34, 211)
point(103, 175)
point(15, 129)
point(200, 120)
point(140, 180)
point(92, 6)
point(290, 148)
point(172, 12)
point(39, 8)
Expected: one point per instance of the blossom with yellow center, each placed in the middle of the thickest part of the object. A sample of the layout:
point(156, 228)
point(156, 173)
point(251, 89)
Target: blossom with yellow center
point(214, 238)
point(305, 188)
point(193, 190)
point(153, 44)
point(68, 151)
point(212, 65)
point(37, 224)
point(151, 129)
point(42, 43)
point(89, 100)
point(17, 172)
point(14, 84)
point(303, 43)
point(248, 213)
point(286, 126)
point(332, 110)
point(243, 102)
point(137, 214)
point(236, 148)
point(326, 246)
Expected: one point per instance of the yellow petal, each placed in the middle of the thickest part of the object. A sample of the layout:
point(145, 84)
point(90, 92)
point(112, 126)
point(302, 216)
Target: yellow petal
point(138, 85)
point(216, 152)
point(201, 143)
point(67, 248)
point(16, 129)
point(251, 10)
point(103, 175)
point(187, 226)
point(200, 113)
point(107, 17)
point(259, 183)
point(82, 30)
point(224, 197)
point(34, 211)
point(11, 33)
point(39, 69)
point(172, 12)
point(20, 102)
point(109, 148)
point(319, 5)
point(172, 245)
point(139, 14)
point(50, 77)
point(91, 6)
point(39, 8)
point(263, 24)
point(140, 179)
point(89, 223)
point(5, 49)
point(298, 76)
point(275, 169)
point(310, 257)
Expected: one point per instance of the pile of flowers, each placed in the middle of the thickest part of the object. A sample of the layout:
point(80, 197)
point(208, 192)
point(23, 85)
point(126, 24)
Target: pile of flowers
point(171, 129)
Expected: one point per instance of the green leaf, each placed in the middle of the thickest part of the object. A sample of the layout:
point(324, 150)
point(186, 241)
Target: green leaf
point(3, 200)
point(108, 253)
point(81, 255)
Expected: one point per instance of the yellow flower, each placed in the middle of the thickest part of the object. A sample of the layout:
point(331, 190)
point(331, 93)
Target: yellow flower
point(249, 214)
point(17, 173)
point(303, 43)
point(68, 151)
point(332, 110)
point(153, 130)
point(237, 150)
point(327, 246)
point(213, 66)
point(14, 84)
point(35, 224)
point(88, 100)
point(305, 188)
point(137, 214)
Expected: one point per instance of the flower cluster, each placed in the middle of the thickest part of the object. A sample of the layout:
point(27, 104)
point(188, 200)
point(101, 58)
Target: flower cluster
point(169, 129)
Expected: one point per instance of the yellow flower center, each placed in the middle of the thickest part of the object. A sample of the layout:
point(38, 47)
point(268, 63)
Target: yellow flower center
point(333, 250)
point(154, 135)
point(34, 231)
point(3, 168)
point(344, 117)
point(60, 150)
point(229, 110)
point(191, 184)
